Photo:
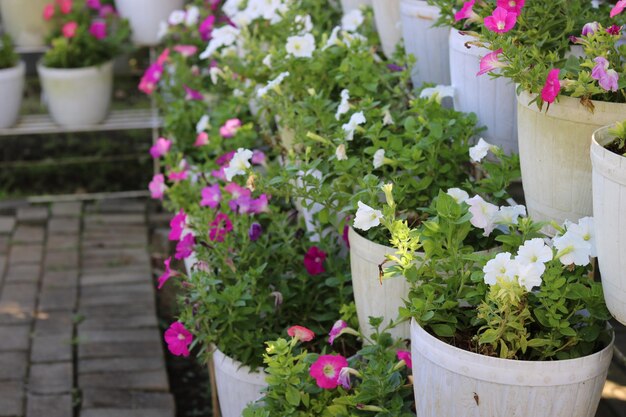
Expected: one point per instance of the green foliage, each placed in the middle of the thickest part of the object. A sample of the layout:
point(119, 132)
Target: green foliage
point(8, 56)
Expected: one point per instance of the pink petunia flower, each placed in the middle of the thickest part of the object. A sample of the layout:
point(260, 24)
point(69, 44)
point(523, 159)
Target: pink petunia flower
point(404, 355)
point(184, 248)
point(336, 330)
point(501, 20)
point(191, 94)
point(230, 128)
point(225, 159)
point(490, 62)
point(94, 4)
point(98, 29)
point(48, 11)
point(167, 274)
point(151, 78)
point(618, 8)
point(607, 78)
point(206, 28)
point(220, 227)
point(160, 148)
point(325, 370)
point(344, 378)
point(178, 176)
point(177, 225)
point(467, 12)
point(614, 30)
point(107, 10)
point(220, 174)
point(301, 333)
point(69, 29)
point(157, 187)
point(258, 157)
point(178, 339)
point(65, 6)
point(259, 205)
point(163, 56)
point(590, 28)
point(236, 191)
point(201, 140)
point(552, 88)
point(211, 196)
point(186, 50)
point(314, 261)
point(514, 6)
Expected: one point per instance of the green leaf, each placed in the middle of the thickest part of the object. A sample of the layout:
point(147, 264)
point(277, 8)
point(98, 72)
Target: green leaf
point(443, 330)
point(293, 396)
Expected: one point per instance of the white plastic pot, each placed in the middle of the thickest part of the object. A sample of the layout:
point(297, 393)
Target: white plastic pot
point(12, 88)
point(372, 298)
point(236, 385)
point(387, 18)
point(145, 17)
point(491, 99)
point(78, 96)
point(428, 44)
point(349, 5)
point(554, 155)
point(609, 207)
point(449, 381)
point(23, 20)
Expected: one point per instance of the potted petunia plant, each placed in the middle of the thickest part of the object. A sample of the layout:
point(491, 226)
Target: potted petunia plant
point(12, 76)
point(77, 71)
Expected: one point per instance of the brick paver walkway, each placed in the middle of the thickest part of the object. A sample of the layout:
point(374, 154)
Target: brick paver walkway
point(78, 325)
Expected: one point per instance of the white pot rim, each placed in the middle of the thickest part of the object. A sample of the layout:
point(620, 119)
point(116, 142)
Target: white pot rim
point(14, 71)
point(237, 370)
point(457, 43)
point(73, 72)
point(419, 8)
point(605, 162)
point(358, 243)
point(518, 372)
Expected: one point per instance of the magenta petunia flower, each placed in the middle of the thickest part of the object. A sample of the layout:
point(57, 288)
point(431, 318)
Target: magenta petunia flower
point(201, 140)
point(242, 205)
point(614, 30)
point(301, 333)
point(94, 4)
point(69, 29)
point(157, 187)
point(191, 94)
point(314, 261)
point(325, 370)
point(151, 78)
point(336, 330)
point(230, 128)
point(236, 191)
point(466, 12)
point(220, 174)
point(178, 339)
point(501, 20)
point(211, 196)
point(260, 205)
point(514, 6)
point(618, 8)
point(255, 232)
point(346, 235)
point(163, 56)
point(177, 225)
point(160, 148)
point(206, 28)
point(404, 355)
point(48, 11)
point(590, 28)
point(184, 248)
point(107, 10)
point(220, 227)
point(65, 6)
point(552, 88)
point(186, 50)
point(167, 274)
point(178, 176)
point(98, 29)
point(258, 157)
point(490, 62)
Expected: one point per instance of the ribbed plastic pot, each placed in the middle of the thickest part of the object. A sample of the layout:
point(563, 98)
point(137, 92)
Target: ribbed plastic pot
point(387, 18)
point(78, 96)
point(12, 88)
point(236, 385)
point(493, 100)
point(349, 5)
point(554, 155)
point(609, 207)
point(449, 381)
point(145, 17)
point(428, 44)
point(23, 20)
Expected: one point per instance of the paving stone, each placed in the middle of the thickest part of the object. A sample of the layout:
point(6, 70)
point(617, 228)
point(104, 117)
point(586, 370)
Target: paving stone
point(133, 400)
point(136, 380)
point(112, 261)
point(26, 254)
point(117, 311)
point(11, 398)
point(13, 366)
point(64, 226)
point(7, 224)
point(17, 303)
point(62, 242)
point(58, 298)
point(114, 350)
point(61, 260)
point(104, 365)
point(131, 322)
point(117, 295)
point(4, 244)
point(65, 278)
point(67, 209)
point(3, 265)
point(53, 348)
point(49, 406)
point(29, 234)
point(27, 273)
point(32, 214)
point(50, 378)
point(129, 218)
point(115, 276)
point(14, 337)
point(119, 336)
point(54, 323)
point(117, 206)
point(117, 412)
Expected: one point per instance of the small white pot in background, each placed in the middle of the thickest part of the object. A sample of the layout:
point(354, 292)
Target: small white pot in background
point(387, 18)
point(78, 96)
point(428, 44)
point(23, 20)
point(491, 99)
point(349, 5)
point(145, 17)
point(12, 90)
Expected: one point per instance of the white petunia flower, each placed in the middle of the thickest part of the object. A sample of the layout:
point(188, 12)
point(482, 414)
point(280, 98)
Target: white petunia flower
point(344, 106)
point(333, 39)
point(508, 215)
point(379, 158)
point(272, 84)
point(439, 92)
point(534, 251)
point(239, 164)
point(163, 29)
point(572, 249)
point(500, 268)
point(460, 196)
point(214, 73)
point(340, 153)
point(192, 16)
point(267, 61)
point(301, 46)
point(231, 7)
point(529, 275)
point(480, 150)
point(387, 118)
point(586, 231)
point(350, 37)
point(352, 20)
point(224, 36)
point(202, 124)
point(482, 213)
point(176, 17)
point(355, 120)
point(367, 217)
point(305, 22)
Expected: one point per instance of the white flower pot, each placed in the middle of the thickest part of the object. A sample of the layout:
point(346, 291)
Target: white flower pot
point(23, 20)
point(387, 18)
point(372, 298)
point(145, 16)
point(428, 44)
point(12, 89)
point(491, 99)
point(349, 5)
point(78, 96)
point(449, 381)
point(609, 207)
point(236, 385)
point(554, 155)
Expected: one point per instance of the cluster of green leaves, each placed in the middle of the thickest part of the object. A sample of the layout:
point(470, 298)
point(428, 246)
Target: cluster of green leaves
point(380, 390)
point(8, 56)
point(83, 49)
point(619, 132)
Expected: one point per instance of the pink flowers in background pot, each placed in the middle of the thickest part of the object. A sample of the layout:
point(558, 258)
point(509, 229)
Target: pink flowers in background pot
point(178, 339)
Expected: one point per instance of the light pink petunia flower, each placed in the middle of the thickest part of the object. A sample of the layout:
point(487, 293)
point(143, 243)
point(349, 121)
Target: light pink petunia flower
point(201, 140)
point(65, 6)
point(178, 339)
point(501, 20)
point(69, 29)
point(230, 128)
point(466, 12)
point(301, 333)
point(48, 11)
point(157, 187)
point(94, 4)
point(490, 62)
point(211, 196)
point(552, 88)
point(186, 50)
point(160, 148)
point(336, 330)
point(607, 78)
point(618, 8)
point(325, 370)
